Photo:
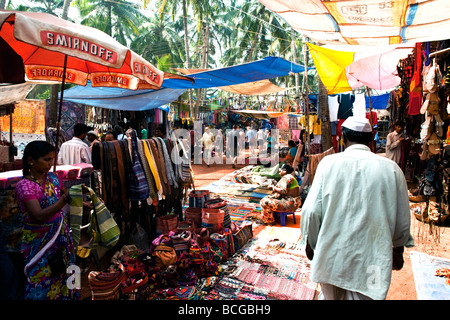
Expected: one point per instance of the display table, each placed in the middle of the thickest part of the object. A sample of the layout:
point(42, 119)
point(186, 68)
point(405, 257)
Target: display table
point(9, 179)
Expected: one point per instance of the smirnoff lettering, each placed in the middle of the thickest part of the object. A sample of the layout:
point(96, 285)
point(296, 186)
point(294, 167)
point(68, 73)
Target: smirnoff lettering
point(143, 69)
point(62, 40)
point(107, 78)
point(47, 72)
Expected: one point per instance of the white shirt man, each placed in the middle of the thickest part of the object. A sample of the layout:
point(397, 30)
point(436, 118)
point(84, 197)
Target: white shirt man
point(75, 150)
point(355, 217)
point(207, 140)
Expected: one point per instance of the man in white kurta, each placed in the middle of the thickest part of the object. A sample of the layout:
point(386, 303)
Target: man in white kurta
point(75, 150)
point(394, 143)
point(207, 140)
point(356, 212)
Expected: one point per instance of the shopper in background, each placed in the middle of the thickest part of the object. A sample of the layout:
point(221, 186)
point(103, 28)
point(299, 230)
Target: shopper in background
point(394, 143)
point(76, 150)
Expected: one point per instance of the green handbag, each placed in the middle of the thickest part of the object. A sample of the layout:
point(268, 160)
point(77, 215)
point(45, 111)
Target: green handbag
point(102, 227)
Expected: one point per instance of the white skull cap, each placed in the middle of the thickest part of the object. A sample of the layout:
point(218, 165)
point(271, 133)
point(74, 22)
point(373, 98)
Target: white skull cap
point(360, 124)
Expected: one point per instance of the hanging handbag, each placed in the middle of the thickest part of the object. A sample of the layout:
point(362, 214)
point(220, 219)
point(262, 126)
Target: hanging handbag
point(102, 228)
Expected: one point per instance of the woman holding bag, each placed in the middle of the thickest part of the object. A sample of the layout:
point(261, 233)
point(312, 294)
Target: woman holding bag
point(47, 246)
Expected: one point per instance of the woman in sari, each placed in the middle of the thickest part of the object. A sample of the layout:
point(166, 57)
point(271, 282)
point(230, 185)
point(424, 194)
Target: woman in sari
point(284, 197)
point(47, 246)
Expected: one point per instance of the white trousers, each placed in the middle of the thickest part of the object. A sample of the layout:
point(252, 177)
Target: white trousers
point(330, 292)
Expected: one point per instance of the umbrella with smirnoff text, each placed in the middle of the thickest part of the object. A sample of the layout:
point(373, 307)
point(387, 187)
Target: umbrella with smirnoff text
point(54, 49)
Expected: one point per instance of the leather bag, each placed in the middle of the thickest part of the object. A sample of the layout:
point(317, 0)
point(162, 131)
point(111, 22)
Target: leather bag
point(164, 256)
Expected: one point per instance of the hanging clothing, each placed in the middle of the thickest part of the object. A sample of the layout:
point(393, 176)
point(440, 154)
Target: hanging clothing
point(359, 106)
point(333, 106)
point(346, 101)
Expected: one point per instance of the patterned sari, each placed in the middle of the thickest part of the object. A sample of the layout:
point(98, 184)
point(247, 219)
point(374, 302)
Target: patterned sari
point(41, 283)
point(279, 202)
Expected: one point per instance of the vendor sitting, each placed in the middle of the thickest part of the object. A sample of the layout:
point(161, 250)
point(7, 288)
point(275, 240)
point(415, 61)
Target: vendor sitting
point(284, 197)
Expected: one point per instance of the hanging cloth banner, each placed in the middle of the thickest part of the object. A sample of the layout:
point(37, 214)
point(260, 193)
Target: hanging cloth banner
point(342, 71)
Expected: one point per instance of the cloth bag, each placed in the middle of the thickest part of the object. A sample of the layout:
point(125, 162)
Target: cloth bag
point(242, 235)
point(102, 228)
point(105, 285)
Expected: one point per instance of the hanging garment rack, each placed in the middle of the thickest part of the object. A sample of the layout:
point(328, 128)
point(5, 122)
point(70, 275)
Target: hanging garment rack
point(439, 52)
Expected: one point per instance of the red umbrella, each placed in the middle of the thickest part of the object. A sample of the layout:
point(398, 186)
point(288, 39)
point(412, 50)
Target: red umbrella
point(58, 50)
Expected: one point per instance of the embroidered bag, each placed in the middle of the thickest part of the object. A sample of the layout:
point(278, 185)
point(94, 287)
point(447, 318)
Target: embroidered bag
point(242, 236)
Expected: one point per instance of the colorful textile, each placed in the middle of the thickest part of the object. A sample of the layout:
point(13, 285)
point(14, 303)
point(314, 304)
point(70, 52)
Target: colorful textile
point(41, 283)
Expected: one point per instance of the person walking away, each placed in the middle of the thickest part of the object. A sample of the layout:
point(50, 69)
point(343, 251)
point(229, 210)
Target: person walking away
point(76, 150)
point(207, 141)
point(394, 143)
point(250, 136)
point(284, 197)
point(47, 246)
point(356, 219)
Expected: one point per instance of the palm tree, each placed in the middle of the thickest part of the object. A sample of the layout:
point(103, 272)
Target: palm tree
point(120, 19)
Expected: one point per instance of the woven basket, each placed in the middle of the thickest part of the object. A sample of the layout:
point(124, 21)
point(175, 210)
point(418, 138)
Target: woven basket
point(166, 223)
point(194, 214)
point(197, 198)
point(212, 216)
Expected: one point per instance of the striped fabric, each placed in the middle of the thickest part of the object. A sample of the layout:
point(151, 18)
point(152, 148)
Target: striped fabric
point(103, 226)
point(138, 186)
point(105, 285)
point(76, 213)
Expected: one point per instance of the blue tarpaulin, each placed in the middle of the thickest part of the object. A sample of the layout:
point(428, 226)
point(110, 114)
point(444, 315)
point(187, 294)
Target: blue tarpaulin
point(122, 99)
point(378, 102)
point(139, 100)
point(267, 68)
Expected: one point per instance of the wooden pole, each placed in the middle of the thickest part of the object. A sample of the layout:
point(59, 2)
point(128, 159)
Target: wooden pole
point(372, 143)
point(58, 124)
point(307, 142)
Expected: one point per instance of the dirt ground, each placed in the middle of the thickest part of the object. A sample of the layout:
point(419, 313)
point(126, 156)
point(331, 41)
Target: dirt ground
point(433, 240)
